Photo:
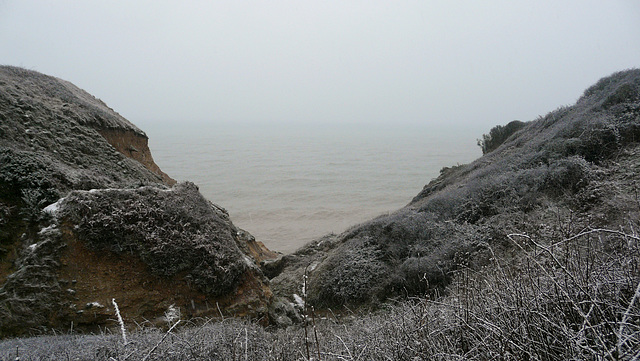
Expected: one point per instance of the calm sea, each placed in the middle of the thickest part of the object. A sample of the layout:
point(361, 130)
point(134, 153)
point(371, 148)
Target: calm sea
point(288, 184)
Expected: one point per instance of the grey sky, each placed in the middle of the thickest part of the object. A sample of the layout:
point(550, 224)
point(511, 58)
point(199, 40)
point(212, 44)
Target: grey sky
point(438, 62)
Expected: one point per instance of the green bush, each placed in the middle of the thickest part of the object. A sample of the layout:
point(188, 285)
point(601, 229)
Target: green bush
point(497, 135)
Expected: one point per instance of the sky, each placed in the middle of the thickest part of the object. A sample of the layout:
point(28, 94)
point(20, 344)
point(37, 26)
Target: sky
point(442, 63)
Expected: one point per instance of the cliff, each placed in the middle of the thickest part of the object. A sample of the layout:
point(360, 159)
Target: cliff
point(86, 216)
point(575, 168)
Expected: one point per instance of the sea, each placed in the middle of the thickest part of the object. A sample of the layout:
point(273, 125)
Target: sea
point(288, 184)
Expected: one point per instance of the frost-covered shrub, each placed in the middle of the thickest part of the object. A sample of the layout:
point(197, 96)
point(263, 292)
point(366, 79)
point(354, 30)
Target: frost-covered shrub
point(33, 201)
point(405, 253)
point(627, 92)
point(443, 205)
point(566, 175)
point(394, 235)
point(23, 171)
point(607, 86)
point(351, 275)
point(172, 230)
point(522, 190)
point(419, 275)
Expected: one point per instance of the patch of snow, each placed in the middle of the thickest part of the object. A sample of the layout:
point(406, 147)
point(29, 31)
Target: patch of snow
point(99, 190)
point(47, 229)
point(52, 209)
point(94, 304)
point(299, 300)
point(248, 261)
point(313, 266)
point(172, 314)
point(33, 247)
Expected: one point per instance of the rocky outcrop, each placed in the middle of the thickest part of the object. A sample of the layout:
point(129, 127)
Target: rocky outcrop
point(86, 216)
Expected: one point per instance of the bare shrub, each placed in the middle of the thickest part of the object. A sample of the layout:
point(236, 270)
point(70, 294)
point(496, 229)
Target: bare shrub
point(574, 298)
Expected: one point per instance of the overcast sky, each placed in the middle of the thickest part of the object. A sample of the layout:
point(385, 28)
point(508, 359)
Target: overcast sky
point(446, 63)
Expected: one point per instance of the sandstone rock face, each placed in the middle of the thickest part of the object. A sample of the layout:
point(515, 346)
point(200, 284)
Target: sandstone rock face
point(135, 146)
point(86, 216)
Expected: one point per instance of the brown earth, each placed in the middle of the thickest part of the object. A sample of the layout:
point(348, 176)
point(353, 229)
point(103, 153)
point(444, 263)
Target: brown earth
point(135, 146)
point(93, 279)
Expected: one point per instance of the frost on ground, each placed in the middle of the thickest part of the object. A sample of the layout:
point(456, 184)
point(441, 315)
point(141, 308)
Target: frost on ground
point(298, 301)
point(53, 208)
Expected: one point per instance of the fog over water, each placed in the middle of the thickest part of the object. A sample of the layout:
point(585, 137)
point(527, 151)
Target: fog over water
point(289, 184)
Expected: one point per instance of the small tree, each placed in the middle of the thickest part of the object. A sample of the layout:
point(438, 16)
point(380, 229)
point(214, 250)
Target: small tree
point(497, 135)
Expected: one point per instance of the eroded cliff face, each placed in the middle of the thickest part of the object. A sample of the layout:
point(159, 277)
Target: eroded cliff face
point(86, 216)
point(135, 146)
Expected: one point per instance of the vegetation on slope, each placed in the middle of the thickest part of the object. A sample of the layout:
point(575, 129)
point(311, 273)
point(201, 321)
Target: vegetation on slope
point(173, 231)
point(557, 165)
point(498, 135)
point(49, 145)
